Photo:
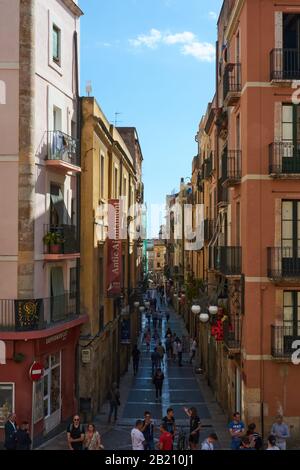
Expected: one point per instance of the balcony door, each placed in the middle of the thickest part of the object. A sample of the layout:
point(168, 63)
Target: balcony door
point(290, 238)
point(291, 318)
point(291, 138)
point(291, 46)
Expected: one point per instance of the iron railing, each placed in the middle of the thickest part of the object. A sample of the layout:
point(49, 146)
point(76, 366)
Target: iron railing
point(232, 81)
point(223, 196)
point(284, 158)
point(233, 333)
point(66, 235)
point(282, 339)
point(283, 263)
point(285, 64)
point(209, 226)
point(208, 167)
point(232, 166)
point(226, 259)
point(37, 314)
point(63, 147)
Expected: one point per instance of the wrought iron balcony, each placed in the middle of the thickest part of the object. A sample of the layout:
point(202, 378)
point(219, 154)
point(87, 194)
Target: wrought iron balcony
point(284, 159)
point(282, 338)
point(285, 64)
point(60, 240)
point(233, 334)
point(283, 263)
point(63, 151)
point(232, 84)
point(209, 226)
point(223, 197)
point(226, 259)
point(231, 167)
point(208, 167)
point(37, 314)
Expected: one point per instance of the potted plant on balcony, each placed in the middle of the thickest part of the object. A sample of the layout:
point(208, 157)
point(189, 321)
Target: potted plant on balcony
point(54, 241)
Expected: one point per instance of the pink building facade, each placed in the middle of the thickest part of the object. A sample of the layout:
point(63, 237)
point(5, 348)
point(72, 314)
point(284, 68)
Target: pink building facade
point(39, 234)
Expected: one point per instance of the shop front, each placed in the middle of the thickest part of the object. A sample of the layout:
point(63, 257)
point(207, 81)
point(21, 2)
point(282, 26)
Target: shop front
point(44, 401)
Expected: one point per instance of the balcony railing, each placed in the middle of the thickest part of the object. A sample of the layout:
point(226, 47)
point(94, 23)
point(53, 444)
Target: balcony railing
point(232, 167)
point(223, 198)
point(63, 147)
point(226, 259)
point(284, 158)
point(37, 314)
point(285, 64)
point(208, 167)
point(233, 333)
point(282, 338)
point(60, 239)
point(283, 263)
point(232, 84)
point(209, 226)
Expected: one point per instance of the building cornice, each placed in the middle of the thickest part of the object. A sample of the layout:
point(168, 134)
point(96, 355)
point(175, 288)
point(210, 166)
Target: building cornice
point(73, 7)
point(232, 23)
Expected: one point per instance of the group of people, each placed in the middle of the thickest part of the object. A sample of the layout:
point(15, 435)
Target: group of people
point(16, 437)
point(250, 439)
point(142, 435)
point(80, 439)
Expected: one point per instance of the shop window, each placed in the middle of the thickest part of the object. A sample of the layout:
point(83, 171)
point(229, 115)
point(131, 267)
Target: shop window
point(7, 401)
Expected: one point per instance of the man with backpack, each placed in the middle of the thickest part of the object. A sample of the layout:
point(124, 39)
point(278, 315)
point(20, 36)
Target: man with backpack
point(169, 422)
point(75, 434)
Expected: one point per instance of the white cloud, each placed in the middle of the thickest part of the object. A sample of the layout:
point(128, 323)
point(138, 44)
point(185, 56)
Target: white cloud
point(179, 38)
point(151, 40)
point(213, 15)
point(202, 51)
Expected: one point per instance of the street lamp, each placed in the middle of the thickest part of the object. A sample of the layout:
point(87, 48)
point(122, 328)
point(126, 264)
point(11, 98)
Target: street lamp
point(147, 304)
point(196, 309)
point(136, 304)
point(204, 317)
point(213, 310)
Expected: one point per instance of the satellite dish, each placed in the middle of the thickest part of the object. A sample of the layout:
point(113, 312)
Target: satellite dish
point(88, 88)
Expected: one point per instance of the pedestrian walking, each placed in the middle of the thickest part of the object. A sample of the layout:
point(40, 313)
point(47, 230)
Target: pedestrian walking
point(166, 439)
point(136, 353)
point(169, 422)
point(169, 346)
point(148, 431)
point(158, 381)
point(137, 437)
point(92, 440)
point(155, 360)
point(210, 442)
point(281, 431)
point(237, 430)
point(167, 316)
point(179, 352)
point(114, 402)
point(10, 430)
point(272, 443)
point(195, 427)
point(23, 437)
point(255, 438)
point(159, 317)
point(75, 434)
point(147, 338)
point(174, 349)
point(193, 349)
point(161, 351)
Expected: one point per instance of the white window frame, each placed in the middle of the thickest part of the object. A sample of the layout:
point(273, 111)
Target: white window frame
point(46, 374)
point(54, 20)
point(13, 396)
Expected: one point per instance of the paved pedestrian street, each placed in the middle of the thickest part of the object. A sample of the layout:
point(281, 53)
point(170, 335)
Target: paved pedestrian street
point(181, 388)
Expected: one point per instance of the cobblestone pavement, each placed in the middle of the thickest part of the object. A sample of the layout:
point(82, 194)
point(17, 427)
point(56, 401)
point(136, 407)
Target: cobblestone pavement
point(182, 388)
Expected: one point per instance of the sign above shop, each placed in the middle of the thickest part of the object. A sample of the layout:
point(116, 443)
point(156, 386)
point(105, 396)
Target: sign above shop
point(36, 371)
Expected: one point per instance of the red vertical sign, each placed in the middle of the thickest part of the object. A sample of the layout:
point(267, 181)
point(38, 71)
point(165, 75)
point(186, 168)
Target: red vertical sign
point(114, 250)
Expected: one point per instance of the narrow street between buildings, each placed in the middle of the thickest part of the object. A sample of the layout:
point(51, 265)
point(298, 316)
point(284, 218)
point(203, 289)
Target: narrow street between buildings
point(182, 388)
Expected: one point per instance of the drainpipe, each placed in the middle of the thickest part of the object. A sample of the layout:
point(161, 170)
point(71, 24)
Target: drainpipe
point(78, 198)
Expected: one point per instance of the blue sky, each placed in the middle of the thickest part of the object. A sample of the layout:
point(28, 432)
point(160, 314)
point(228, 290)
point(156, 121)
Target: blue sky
point(152, 60)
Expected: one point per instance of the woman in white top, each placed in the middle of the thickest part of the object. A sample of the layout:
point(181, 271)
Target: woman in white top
point(272, 443)
point(137, 437)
